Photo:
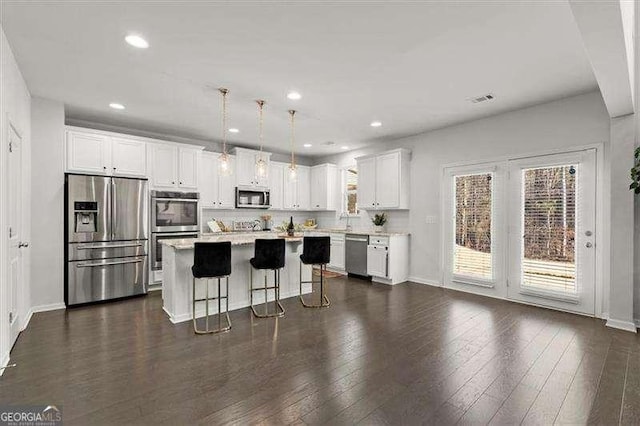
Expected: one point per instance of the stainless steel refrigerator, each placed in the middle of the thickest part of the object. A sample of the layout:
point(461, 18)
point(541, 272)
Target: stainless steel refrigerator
point(106, 238)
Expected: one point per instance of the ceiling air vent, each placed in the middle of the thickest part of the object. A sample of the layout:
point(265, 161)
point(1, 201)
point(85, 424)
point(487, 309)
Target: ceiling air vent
point(479, 99)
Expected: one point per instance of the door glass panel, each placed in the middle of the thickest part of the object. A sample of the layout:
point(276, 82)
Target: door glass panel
point(549, 224)
point(472, 255)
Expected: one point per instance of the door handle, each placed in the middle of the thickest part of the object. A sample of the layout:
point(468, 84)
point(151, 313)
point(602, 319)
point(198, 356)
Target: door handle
point(23, 245)
point(588, 245)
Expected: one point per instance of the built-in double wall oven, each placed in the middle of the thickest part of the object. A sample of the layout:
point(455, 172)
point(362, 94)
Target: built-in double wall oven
point(174, 215)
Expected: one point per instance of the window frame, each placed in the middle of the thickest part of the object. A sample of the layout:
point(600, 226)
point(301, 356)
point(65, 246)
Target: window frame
point(498, 216)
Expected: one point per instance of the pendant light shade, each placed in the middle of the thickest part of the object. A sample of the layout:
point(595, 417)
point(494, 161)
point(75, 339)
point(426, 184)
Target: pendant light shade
point(293, 172)
point(224, 166)
point(261, 165)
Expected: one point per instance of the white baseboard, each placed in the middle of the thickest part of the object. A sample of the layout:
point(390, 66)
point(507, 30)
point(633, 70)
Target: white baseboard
point(425, 281)
point(622, 325)
point(41, 308)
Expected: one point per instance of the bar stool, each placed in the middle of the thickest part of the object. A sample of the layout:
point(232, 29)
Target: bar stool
point(211, 260)
point(269, 254)
point(316, 251)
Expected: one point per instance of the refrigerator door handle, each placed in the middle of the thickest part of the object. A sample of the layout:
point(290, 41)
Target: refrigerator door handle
point(98, 247)
point(114, 222)
point(118, 262)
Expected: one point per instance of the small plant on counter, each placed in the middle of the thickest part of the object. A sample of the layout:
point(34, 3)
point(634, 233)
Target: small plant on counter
point(635, 173)
point(379, 219)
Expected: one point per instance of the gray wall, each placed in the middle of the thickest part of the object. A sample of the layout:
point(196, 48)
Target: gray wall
point(47, 199)
point(571, 122)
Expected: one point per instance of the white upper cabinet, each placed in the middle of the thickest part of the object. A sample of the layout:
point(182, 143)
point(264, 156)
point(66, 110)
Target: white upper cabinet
point(129, 157)
point(174, 167)
point(101, 153)
point(216, 191)
point(383, 180)
point(367, 183)
point(188, 168)
point(388, 180)
point(164, 165)
point(88, 152)
point(324, 187)
point(303, 188)
point(276, 182)
point(295, 193)
point(246, 167)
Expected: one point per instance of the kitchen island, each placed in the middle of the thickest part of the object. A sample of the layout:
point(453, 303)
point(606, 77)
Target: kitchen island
point(177, 259)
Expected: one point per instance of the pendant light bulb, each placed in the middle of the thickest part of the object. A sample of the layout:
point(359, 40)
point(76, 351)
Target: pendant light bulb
point(261, 165)
point(293, 172)
point(224, 167)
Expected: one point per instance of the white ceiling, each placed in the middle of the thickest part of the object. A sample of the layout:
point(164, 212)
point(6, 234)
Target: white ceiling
point(411, 65)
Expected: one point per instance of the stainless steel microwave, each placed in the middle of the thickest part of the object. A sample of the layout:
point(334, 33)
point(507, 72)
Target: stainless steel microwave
point(252, 198)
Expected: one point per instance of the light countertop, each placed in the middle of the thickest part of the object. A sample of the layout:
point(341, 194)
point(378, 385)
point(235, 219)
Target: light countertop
point(359, 232)
point(236, 239)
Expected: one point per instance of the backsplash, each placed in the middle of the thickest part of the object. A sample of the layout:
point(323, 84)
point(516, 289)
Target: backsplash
point(228, 216)
point(397, 221)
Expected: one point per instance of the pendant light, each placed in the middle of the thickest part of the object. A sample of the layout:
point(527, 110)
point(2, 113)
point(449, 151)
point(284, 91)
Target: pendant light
point(224, 166)
point(261, 165)
point(292, 167)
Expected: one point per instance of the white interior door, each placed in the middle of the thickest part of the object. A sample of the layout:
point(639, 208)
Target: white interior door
point(552, 231)
point(15, 233)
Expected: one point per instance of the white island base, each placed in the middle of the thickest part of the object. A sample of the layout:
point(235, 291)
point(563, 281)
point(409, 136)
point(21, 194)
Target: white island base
point(177, 279)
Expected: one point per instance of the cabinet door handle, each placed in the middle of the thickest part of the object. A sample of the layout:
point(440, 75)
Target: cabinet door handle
point(104, 168)
point(173, 183)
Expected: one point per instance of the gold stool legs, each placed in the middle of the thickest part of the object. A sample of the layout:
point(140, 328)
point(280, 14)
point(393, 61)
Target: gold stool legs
point(206, 299)
point(279, 309)
point(324, 300)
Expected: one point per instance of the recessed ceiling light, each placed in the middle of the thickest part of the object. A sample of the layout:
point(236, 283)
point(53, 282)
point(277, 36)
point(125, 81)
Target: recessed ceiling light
point(294, 96)
point(376, 123)
point(136, 41)
point(307, 145)
point(116, 105)
point(233, 130)
point(344, 147)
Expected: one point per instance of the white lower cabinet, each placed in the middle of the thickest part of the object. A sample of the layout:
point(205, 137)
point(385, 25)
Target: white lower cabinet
point(337, 251)
point(388, 258)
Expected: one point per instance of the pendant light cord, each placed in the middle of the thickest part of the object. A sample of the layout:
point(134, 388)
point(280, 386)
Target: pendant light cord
point(292, 113)
point(224, 92)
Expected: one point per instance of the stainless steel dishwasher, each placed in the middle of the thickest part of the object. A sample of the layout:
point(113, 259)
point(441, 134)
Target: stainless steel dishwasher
point(356, 254)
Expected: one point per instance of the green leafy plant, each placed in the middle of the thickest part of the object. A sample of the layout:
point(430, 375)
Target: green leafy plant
point(379, 219)
point(635, 173)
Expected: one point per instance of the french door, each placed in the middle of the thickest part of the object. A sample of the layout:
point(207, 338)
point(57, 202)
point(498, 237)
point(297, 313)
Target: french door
point(552, 203)
point(524, 230)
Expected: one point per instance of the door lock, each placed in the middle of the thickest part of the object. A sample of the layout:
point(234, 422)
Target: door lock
point(588, 245)
point(588, 233)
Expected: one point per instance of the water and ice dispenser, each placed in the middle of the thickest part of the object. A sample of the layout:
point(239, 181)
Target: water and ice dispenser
point(86, 216)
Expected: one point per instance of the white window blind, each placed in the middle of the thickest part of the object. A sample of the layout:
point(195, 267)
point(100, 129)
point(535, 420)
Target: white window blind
point(549, 199)
point(473, 209)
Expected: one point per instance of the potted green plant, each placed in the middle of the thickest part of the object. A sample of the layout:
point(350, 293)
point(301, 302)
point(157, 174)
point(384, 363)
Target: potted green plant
point(635, 173)
point(378, 221)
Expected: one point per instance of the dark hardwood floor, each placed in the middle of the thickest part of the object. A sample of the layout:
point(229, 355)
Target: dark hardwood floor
point(409, 354)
